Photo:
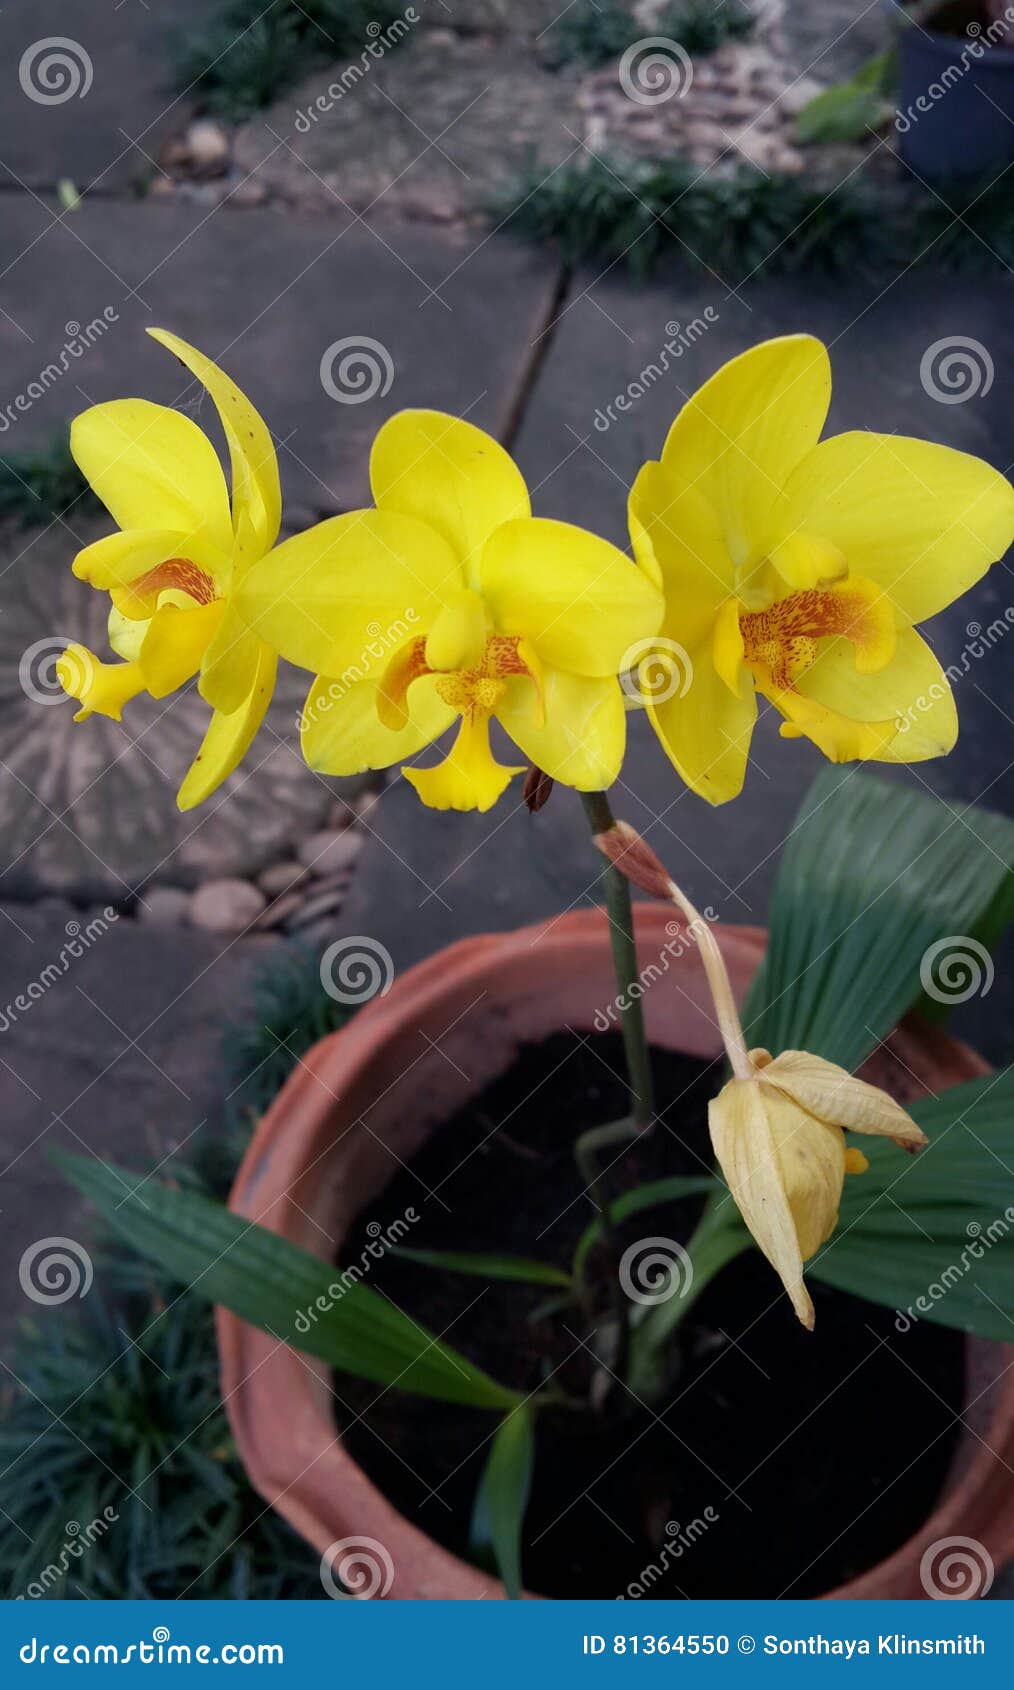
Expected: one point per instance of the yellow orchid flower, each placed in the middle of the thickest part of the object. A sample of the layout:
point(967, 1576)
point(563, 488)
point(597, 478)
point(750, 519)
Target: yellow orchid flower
point(778, 1126)
point(451, 600)
point(172, 570)
point(798, 570)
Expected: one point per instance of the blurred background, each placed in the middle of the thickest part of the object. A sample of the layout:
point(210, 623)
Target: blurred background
point(556, 220)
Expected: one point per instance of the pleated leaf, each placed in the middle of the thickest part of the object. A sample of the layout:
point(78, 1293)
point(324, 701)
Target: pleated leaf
point(503, 1493)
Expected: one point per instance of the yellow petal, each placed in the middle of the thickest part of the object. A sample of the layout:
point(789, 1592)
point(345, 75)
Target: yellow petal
point(743, 433)
point(840, 738)
point(153, 468)
point(912, 692)
point(229, 736)
point(744, 1144)
point(343, 597)
point(922, 521)
point(102, 688)
point(811, 1166)
point(581, 739)
point(704, 729)
point(678, 541)
point(342, 734)
point(449, 474)
point(579, 601)
point(174, 644)
point(837, 1097)
point(457, 638)
point(470, 778)
point(120, 563)
point(256, 495)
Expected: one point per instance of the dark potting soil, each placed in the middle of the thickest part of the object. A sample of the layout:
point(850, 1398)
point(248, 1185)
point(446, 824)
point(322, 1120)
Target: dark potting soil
point(777, 1462)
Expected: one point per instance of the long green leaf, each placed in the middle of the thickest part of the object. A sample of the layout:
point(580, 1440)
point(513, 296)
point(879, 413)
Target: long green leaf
point(521, 1269)
point(280, 1288)
point(647, 1196)
point(873, 874)
point(503, 1494)
point(932, 1235)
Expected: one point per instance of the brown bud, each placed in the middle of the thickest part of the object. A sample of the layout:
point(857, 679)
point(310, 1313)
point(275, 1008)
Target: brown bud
point(537, 788)
point(628, 852)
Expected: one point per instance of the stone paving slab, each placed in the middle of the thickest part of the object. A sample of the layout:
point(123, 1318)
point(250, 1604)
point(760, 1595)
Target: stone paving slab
point(118, 90)
point(448, 320)
point(116, 1056)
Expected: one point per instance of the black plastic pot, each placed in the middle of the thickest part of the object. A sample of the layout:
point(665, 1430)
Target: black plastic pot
point(956, 99)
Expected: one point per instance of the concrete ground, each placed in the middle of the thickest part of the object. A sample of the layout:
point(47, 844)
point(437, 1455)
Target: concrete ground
point(121, 1055)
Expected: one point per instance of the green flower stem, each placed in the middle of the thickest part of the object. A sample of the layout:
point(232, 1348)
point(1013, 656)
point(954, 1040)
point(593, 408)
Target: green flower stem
point(621, 933)
point(718, 1239)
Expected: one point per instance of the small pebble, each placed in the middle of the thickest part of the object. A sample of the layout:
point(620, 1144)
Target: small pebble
point(207, 146)
point(163, 906)
point(327, 853)
point(226, 906)
point(280, 878)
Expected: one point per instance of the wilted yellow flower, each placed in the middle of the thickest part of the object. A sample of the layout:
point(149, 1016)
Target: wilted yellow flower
point(798, 568)
point(778, 1126)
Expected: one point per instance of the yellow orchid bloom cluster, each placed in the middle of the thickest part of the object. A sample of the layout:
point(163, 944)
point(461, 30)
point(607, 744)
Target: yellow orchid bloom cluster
point(778, 1125)
point(777, 563)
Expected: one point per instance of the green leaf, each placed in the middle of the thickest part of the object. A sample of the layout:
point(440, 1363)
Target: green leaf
point(280, 1288)
point(932, 1235)
point(850, 109)
point(632, 1202)
point(873, 874)
point(487, 1266)
point(503, 1493)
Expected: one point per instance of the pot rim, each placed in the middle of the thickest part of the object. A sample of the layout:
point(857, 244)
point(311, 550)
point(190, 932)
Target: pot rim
point(257, 1372)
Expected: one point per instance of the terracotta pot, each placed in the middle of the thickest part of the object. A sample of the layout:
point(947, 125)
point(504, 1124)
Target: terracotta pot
point(324, 1149)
